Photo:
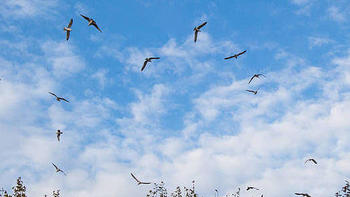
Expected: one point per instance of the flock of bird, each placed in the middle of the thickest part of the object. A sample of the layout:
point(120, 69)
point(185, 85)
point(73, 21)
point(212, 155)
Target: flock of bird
point(196, 30)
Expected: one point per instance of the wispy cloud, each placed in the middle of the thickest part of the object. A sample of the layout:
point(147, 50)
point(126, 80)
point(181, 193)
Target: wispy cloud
point(336, 14)
point(318, 41)
point(26, 8)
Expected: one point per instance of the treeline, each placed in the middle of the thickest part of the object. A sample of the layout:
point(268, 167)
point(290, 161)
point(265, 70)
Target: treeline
point(159, 190)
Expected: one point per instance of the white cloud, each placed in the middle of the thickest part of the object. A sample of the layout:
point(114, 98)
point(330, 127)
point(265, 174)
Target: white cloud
point(62, 59)
point(335, 14)
point(230, 138)
point(101, 77)
point(318, 41)
point(26, 8)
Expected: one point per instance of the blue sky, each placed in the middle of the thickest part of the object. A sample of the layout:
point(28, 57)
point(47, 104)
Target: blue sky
point(187, 116)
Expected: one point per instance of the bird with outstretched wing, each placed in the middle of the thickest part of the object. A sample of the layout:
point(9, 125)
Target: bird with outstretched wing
point(59, 98)
point(252, 91)
point(139, 182)
point(197, 29)
point(91, 22)
point(59, 170)
point(255, 76)
point(249, 188)
point(302, 194)
point(68, 29)
point(149, 59)
point(236, 55)
point(312, 160)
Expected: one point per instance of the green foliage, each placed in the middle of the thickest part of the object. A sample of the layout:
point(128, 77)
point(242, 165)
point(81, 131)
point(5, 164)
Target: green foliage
point(18, 191)
point(160, 191)
point(345, 191)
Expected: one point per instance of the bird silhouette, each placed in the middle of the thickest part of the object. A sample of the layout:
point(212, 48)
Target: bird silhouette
point(255, 76)
point(139, 182)
point(197, 29)
point(312, 160)
point(252, 91)
point(59, 98)
point(91, 22)
point(236, 55)
point(149, 59)
point(59, 170)
point(302, 194)
point(249, 188)
point(59, 133)
point(68, 29)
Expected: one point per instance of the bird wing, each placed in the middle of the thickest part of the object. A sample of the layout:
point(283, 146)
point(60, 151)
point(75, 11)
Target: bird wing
point(241, 53)
point(52, 94)
point(154, 58)
point(58, 137)
point(135, 178)
point(63, 172)
point(55, 166)
point(145, 183)
point(144, 66)
point(314, 161)
point(261, 75)
point(87, 18)
point(202, 25)
point(195, 36)
point(68, 34)
point(249, 91)
point(64, 100)
point(226, 58)
point(94, 24)
point(251, 79)
point(70, 23)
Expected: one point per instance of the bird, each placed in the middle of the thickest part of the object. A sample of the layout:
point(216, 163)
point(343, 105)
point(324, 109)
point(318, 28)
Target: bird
point(236, 55)
point(255, 75)
point(59, 170)
point(148, 59)
point(197, 29)
point(252, 91)
point(249, 188)
point(313, 160)
point(91, 22)
point(302, 194)
point(58, 133)
point(68, 29)
point(59, 98)
point(139, 182)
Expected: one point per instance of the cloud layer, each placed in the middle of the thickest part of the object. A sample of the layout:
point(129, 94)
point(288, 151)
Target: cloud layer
point(187, 117)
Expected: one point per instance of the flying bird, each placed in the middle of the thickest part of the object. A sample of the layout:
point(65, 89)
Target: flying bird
point(139, 182)
point(249, 188)
point(255, 76)
point(312, 160)
point(58, 133)
point(58, 98)
point(236, 55)
point(68, 29)
point(91, 22)
point(149, 59)
point(302, 194)
point(197, 29)
point(252, 91)
point(59, 170)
